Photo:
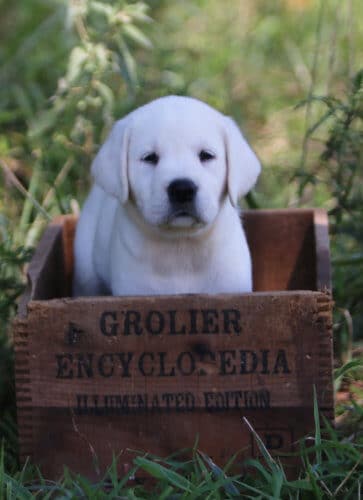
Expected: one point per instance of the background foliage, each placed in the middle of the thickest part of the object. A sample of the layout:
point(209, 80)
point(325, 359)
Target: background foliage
point(288, 71)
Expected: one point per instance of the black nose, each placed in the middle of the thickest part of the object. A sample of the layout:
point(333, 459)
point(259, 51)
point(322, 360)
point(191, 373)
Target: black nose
point(182, 191)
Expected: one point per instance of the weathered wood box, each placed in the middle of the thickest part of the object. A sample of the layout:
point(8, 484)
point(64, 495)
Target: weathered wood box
point(105, 375)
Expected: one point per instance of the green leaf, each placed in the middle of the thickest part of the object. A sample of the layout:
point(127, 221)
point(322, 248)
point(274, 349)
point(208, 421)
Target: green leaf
point(18, 491)
point(160, 472)
point(75, 65)
point(300, 484)
point(102, 8)
point(218, 472)
point(23, 101)
point(43, 123)
point(344, 370)
point(134, 34)
point(261, 446)
point(105, 92)
point(138, 12)
point(260, 468)
point(317, 429)
point(129, 63)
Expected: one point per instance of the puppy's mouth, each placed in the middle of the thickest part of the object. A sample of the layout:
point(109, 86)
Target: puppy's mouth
point(183, 218)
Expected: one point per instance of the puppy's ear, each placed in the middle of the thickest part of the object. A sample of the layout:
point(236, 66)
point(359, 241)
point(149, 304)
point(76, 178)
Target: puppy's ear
point(109, 168)
point(243, 166)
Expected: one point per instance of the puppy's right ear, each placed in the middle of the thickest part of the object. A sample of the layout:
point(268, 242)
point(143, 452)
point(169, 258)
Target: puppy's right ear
point(109, 168)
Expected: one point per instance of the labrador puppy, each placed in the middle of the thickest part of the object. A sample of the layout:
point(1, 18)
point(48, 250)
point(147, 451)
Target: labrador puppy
point(162, 216)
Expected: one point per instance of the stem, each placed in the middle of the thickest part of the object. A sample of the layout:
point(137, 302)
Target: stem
point(15, 181)
point(305, 144)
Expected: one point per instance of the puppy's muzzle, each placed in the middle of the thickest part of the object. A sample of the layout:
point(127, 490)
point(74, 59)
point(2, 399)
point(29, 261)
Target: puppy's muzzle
point(182, 195)
point(182, 192)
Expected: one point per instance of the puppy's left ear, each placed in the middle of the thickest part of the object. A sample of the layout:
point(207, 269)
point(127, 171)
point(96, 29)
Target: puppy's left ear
point(243, 166)
point(109, 168)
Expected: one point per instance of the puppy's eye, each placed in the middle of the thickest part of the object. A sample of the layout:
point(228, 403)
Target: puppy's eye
point(205, 155)
point(152, 158)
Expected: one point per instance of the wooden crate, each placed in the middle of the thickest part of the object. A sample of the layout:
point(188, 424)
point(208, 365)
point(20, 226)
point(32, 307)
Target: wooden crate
point(99, 376)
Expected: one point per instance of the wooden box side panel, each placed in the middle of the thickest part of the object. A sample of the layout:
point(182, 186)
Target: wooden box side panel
point(23, 386)
point(321, 233)
point(116, 373)
point(68, 224)
point(208, 342)
point(46, 272)
point(324, 383)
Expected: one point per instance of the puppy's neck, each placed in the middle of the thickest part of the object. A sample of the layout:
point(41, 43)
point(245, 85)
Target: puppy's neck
point(181, 263)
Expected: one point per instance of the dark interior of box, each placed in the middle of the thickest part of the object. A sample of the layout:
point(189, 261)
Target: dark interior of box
point(282, 243)
point(283, 250)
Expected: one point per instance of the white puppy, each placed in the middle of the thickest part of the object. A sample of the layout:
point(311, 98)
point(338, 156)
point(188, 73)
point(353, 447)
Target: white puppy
point(162, 217)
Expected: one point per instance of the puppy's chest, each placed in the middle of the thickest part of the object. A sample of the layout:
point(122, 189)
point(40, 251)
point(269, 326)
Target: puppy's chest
point(181, 259)
point(164, 269)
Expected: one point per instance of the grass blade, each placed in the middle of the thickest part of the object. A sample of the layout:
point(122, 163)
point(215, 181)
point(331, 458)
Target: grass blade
point(160, 472)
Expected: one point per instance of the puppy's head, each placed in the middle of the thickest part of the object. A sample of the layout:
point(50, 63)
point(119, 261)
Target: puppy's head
point(174, 160)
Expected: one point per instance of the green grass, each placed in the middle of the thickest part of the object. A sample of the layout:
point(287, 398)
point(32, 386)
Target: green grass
point(331, 467)
point(330, 464)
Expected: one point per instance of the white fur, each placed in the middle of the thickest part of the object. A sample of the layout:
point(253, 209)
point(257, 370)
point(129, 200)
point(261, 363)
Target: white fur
point(128, 239)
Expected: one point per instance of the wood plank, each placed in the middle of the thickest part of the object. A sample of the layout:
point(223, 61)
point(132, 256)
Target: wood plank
point(282, 248)
point(97, 439)
point(321, 231)
point(109, 352)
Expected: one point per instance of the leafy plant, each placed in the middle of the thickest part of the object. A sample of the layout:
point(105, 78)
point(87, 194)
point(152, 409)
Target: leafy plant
point(332, 468)
point(11, 286)
point(340, 173)
point(62, 129)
